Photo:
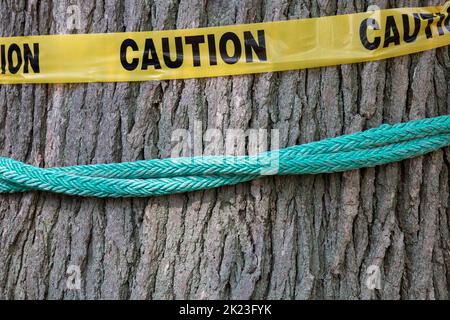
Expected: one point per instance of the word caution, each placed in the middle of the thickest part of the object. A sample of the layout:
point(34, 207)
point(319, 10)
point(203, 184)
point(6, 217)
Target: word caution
point(406, 30)
point(199, 46)
point(14, 58)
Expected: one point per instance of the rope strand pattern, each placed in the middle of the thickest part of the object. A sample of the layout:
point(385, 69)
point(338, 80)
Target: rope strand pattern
point(382, 145)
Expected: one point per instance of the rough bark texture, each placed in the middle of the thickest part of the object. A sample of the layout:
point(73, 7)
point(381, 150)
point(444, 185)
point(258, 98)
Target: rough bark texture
point(296, 237)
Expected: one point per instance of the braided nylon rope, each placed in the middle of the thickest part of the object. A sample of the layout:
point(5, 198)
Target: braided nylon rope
point(385, 144)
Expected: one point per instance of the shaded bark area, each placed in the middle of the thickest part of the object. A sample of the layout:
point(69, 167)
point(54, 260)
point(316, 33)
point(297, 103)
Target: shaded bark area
point(293, 237)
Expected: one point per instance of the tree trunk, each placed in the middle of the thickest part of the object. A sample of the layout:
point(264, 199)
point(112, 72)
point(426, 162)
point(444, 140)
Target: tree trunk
point(285, 237)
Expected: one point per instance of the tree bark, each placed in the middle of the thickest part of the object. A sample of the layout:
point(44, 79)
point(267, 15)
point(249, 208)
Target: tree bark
point(288, 237)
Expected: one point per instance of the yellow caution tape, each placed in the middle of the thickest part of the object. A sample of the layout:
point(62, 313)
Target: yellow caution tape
point(226, 50)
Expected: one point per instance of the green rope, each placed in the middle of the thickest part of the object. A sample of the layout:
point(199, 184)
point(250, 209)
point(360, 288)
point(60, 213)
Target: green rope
point(388, 143)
